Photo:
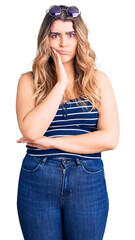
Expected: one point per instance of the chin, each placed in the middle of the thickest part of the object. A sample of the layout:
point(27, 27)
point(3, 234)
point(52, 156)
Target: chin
point(66, 59)
point(65, 62)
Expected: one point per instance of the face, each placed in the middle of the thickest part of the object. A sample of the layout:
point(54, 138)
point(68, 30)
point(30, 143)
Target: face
point(63, 39)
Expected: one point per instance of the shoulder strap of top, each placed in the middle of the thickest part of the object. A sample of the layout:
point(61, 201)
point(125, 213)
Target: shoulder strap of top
point(33, 77)
point(32, 74)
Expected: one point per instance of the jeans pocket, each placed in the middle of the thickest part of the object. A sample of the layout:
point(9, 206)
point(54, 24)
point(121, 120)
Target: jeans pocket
point(30, 163)
point(92, 166)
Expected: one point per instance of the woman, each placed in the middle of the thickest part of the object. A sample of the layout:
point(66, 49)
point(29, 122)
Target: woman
point(67, 114)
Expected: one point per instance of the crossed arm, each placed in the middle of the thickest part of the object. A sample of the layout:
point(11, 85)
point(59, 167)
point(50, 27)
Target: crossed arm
point(87, 143)
point(107, 135)
point(105, 138)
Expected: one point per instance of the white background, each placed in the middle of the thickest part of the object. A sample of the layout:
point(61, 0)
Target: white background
point(112, 37)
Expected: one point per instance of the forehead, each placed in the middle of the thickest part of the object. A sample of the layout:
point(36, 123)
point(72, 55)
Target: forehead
point(59, 25)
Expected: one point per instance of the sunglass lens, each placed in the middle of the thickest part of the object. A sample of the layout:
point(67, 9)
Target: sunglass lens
point(54, 11)
point(73, 12)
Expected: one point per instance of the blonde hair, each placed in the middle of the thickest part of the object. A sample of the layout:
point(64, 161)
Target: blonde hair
point(43, 67)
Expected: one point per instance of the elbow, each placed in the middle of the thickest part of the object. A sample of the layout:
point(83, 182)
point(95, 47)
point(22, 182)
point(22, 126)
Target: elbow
point(112, 144)
point(30, 135)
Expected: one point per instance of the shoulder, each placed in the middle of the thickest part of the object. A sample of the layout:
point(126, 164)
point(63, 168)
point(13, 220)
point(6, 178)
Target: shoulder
point(103, 80)
point(27, 74)
point(25, 80)
point(101, 77)
point(107, 94)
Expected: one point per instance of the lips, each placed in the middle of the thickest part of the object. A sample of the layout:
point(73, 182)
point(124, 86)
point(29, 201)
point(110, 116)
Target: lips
point(63, 52)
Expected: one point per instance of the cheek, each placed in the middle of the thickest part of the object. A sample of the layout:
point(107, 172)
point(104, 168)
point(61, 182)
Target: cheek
point(74, 46)
point(52, 43)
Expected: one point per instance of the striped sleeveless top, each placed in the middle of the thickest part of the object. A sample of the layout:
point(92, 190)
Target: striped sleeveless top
point(70, 119)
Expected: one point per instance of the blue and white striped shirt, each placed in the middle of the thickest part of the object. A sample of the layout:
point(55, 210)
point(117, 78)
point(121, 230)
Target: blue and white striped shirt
point(70, 120)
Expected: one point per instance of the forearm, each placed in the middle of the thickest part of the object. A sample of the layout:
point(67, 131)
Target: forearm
point(37, 121)
point(94, 142)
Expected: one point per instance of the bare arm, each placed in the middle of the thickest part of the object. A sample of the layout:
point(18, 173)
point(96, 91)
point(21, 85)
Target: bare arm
point(37, 120)
point(107, 135)
point(34, 120)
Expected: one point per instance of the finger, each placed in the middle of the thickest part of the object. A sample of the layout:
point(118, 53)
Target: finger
point(34, 145)
point(23, 139)
point(30, 144)
point(53, 56)
point(19, 140)
point(55, 53)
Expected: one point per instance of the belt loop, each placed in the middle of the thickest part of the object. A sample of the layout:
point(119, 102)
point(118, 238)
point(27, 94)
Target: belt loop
point(78, 161)
point(44, 160)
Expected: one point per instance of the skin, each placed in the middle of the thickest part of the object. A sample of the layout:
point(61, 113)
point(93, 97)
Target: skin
point(106, 138)
point(62, 37)
point(42, 143)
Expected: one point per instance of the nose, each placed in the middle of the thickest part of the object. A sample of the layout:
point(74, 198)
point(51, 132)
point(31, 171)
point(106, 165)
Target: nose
point(63, 41)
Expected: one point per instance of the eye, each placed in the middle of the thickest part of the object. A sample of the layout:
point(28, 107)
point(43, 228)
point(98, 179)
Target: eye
point(54, 35)
point(71, 35)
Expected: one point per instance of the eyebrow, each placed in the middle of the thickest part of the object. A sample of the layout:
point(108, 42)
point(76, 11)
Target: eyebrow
point(60, 33)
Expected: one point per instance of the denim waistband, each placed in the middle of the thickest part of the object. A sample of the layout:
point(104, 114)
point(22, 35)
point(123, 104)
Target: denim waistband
point(64, 160)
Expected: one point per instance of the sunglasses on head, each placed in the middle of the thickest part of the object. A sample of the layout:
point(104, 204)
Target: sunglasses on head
point(56, 10)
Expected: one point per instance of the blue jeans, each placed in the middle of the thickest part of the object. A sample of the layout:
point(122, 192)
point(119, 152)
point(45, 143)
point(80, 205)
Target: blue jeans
point(62, 199)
